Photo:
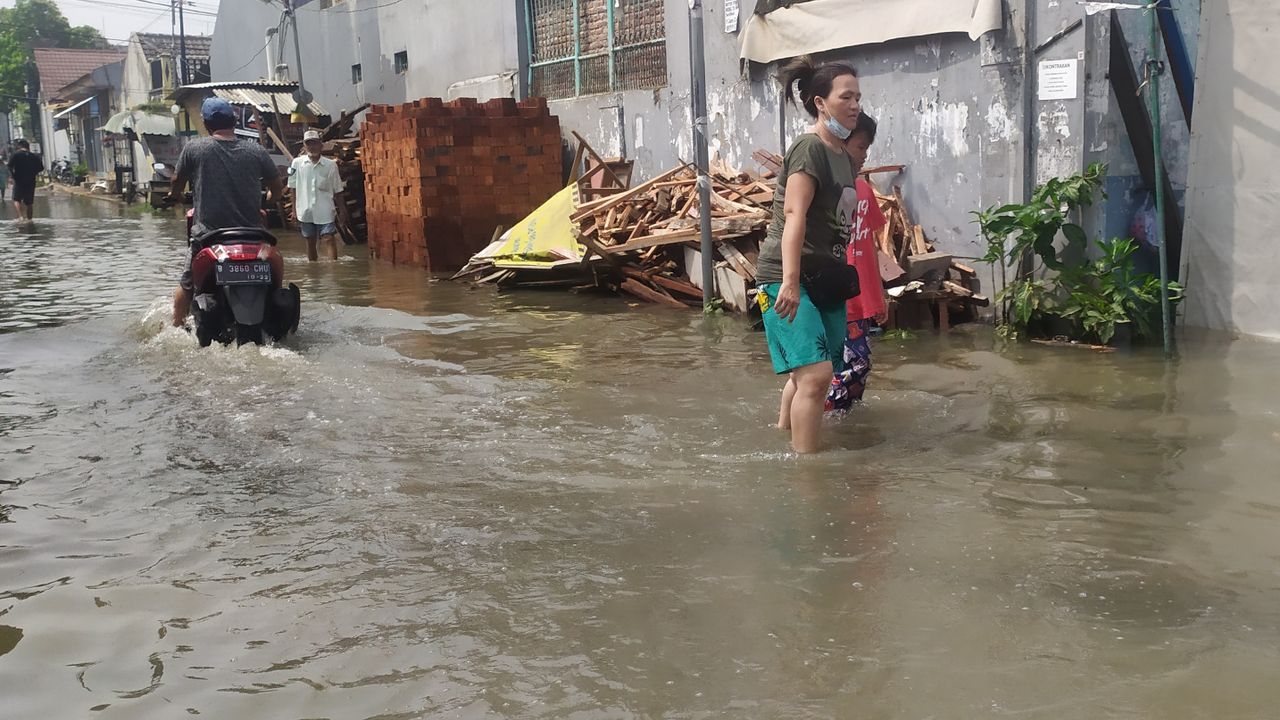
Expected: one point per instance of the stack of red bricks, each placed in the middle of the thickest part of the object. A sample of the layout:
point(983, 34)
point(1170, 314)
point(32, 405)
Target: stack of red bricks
point(439, 176)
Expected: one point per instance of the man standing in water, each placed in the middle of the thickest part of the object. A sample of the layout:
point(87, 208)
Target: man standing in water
point(227, 174)
point(24, 166)
point(317, 196)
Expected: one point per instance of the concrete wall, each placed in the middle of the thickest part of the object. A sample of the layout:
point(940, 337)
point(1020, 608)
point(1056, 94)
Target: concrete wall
point(948, 107)
point(955, 111)
point(1233, 198)
point(445, 42)
point(137, 77)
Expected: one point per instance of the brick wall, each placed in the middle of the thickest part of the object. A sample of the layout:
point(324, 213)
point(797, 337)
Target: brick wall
point(440, 176)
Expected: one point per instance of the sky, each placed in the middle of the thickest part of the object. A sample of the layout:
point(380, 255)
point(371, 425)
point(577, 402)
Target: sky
point(117, 19)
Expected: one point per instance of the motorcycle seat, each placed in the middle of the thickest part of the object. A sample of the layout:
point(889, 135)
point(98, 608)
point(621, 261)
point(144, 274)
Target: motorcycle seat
point(235, 235)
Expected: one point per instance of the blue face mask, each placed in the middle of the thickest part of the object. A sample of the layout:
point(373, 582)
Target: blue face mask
point(841, 132)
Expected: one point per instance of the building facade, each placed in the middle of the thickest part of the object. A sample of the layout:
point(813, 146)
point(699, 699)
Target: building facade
point(87, 80)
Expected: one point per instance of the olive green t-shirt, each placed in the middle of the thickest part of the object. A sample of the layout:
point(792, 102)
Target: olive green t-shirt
point(830, 216)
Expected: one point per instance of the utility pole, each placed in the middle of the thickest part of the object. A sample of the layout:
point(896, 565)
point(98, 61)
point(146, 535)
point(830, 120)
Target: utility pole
point(302, 113)
point(698, 70)
point(182, 46)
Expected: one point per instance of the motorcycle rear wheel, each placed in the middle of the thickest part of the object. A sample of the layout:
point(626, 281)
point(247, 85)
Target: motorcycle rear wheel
point(247, 334)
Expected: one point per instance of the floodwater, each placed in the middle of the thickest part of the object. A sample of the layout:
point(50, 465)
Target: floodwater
point(439, 502)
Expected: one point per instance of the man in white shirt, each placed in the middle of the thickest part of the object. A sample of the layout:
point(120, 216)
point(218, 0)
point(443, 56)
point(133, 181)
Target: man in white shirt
point(317, 196)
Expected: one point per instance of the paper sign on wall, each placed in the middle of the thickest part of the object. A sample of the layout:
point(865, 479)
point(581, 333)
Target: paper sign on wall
point(731, 13)
point(1059, 80)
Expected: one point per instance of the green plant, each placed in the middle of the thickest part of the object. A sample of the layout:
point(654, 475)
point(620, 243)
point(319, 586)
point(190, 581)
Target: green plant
point(1095, 298)
point(1028, 298)
point(153, 106)
point(1034, 226)
point(80, 170)
point(1108, 292)
point(898, 335)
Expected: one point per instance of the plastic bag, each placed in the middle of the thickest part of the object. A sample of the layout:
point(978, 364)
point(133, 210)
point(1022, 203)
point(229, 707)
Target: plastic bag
point(1143, 226)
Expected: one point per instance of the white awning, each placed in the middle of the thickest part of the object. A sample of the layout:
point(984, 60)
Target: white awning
point(142, 123)
point(63, 113)
point(820, 25)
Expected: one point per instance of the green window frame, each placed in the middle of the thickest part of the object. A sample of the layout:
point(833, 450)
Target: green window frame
point(584, 47)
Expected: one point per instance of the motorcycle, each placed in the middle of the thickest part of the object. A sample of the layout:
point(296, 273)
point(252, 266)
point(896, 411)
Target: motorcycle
point(63, 172)
point(238, 274)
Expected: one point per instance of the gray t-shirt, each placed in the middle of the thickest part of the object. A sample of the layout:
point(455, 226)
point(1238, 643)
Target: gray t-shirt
point(830, 216)
point(227, 178)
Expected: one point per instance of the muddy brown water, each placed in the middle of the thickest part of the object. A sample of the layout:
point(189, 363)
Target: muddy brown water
point(439, 502)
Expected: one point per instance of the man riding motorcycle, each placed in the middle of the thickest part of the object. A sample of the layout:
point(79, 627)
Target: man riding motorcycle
point(227, 175)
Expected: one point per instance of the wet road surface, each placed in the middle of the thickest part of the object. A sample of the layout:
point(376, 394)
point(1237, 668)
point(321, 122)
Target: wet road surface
point(439, 502)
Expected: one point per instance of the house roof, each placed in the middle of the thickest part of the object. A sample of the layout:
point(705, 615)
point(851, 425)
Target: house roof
point(256, 94)
point(59, 67)
point(156, 44)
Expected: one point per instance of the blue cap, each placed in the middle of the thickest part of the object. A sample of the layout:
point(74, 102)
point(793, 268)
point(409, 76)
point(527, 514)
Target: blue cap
point(216, 107)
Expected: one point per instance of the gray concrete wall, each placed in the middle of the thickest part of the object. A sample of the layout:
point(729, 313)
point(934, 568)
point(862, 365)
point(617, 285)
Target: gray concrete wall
point(954, 110)
point(948, 107)
point(445, 42)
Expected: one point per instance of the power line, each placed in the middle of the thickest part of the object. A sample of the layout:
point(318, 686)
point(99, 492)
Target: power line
point(139, 8)
point(331, 9)
point(136, 8)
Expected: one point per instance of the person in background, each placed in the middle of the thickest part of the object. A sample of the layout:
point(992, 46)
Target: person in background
point(317, 196)
point(227, 174)
point(850, 380)
point(4, 174)
point(24, 166)
point(812, 212)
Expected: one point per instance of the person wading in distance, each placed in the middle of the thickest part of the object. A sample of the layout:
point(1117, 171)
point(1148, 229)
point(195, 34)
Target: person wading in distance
point(317, 196)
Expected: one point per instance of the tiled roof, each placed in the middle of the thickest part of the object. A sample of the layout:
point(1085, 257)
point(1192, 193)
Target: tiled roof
point(156, 44)
point(59, 67)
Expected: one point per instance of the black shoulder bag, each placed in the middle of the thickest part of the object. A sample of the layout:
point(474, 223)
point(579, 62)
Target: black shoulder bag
point(832, 284)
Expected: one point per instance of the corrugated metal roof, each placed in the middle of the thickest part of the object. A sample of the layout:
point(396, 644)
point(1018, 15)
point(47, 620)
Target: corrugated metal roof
point(257, 94)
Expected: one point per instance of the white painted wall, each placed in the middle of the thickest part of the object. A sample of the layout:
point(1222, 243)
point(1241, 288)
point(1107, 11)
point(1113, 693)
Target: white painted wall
point(1233, 195)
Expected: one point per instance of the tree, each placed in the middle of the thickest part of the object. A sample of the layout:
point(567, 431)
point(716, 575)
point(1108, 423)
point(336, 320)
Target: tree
point(31, 24)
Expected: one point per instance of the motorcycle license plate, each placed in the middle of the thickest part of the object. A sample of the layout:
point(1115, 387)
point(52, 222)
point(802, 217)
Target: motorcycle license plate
point(253, 272)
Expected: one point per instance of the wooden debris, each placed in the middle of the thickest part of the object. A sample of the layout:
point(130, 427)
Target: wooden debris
point(641, 239)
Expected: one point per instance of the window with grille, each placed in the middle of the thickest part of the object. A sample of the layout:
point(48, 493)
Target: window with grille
point(402, 62)
point(356, 74)
point(579, 47)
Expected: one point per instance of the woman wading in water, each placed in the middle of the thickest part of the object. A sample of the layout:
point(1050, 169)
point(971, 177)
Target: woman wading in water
point(803, 277)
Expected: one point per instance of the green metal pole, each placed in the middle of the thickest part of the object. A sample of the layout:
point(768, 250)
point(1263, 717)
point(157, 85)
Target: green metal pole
point(1153, 97)
point(608, 4)
point(577, 50)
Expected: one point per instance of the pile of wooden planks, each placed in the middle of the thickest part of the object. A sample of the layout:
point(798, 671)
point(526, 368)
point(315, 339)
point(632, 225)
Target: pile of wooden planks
point(927, 287)
point(644, 241)
point(346, 152)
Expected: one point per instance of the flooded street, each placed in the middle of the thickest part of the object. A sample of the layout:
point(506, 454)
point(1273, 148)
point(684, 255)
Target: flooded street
point(440, 502)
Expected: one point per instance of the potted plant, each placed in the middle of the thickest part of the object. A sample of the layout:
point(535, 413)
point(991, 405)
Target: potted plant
point(81, 173)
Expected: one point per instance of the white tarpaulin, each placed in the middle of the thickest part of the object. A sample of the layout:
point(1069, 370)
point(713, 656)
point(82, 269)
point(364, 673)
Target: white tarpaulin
point(1233, 186)
point(820, 25)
